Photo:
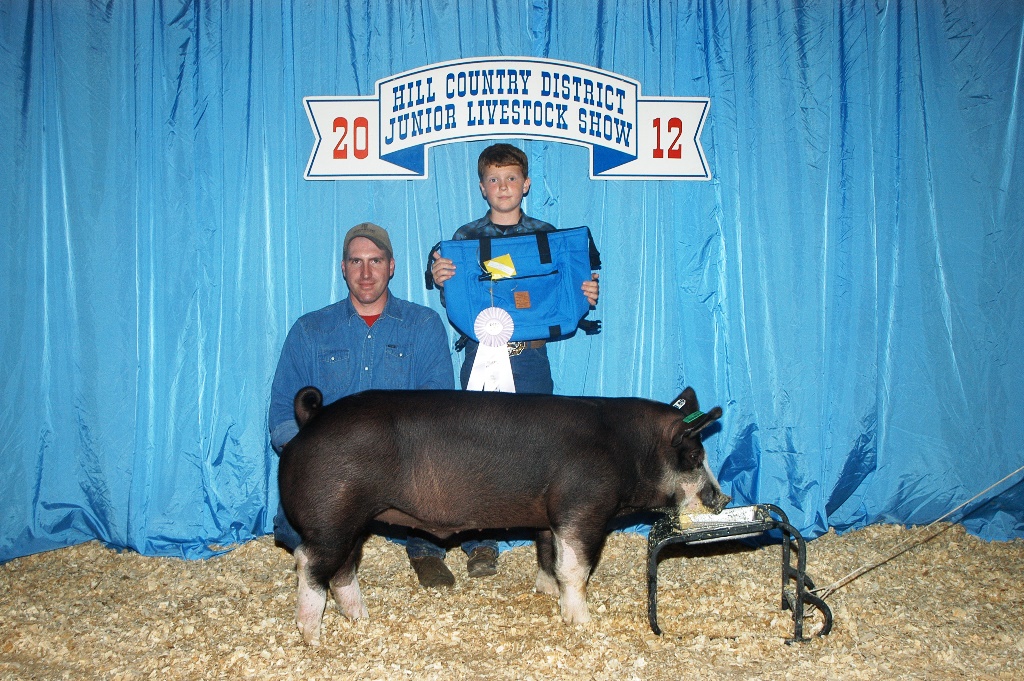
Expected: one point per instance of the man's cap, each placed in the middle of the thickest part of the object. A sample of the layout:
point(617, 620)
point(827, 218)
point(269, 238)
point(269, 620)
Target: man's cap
point(374, 233)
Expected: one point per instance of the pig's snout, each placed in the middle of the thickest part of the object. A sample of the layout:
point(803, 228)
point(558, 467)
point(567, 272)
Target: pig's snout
point(711, 494)
point(703, 497)
point(713, 498)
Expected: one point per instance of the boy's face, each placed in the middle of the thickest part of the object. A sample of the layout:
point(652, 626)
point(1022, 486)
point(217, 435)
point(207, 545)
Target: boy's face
point(504, 187)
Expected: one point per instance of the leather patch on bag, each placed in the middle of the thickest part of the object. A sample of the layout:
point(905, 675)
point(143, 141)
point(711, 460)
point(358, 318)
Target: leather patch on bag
point(522, 299)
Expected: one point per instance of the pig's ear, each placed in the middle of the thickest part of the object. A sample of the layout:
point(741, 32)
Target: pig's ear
point(697, 421)
point(678, 431)
point(686, 402)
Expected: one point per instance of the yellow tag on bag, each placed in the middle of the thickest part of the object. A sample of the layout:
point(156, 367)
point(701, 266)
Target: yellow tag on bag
point(500, 267)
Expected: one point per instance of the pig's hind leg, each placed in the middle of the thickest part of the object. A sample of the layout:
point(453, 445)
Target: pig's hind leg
point(309, 608)
point(345, 586)
point(546, 582)
point(327, 562)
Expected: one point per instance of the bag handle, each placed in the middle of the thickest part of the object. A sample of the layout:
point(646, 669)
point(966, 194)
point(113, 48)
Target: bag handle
point(543, 248)
point(595, 256)
point(428, 275)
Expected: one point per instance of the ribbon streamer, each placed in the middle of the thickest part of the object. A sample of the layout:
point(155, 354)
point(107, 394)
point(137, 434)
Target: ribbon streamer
point(492, 368)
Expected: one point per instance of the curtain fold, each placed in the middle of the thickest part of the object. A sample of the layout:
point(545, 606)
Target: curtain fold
point(847, 285)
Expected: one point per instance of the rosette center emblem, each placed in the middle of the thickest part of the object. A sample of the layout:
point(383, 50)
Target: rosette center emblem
point(493, 327)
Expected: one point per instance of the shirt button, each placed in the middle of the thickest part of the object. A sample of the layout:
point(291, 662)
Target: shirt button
point(366, 368)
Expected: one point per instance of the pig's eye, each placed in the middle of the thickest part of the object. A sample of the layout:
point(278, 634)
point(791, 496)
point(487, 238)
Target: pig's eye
point(691, 457)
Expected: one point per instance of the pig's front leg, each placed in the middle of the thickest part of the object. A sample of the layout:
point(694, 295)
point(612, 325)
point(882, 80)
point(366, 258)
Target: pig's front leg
point(546, 582)
point(312, 598)
point(572, 569)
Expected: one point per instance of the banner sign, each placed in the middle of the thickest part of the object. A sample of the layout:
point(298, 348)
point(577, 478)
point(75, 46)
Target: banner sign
point(387, 136)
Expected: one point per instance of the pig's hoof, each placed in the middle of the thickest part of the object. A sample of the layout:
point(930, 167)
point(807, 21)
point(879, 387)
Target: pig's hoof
point(578, 619)
point(310, 637)
point(546, 584)
point(575, 613)
point(354, 612)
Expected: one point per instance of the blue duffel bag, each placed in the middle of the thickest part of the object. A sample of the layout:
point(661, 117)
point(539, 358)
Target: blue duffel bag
point(542, 296)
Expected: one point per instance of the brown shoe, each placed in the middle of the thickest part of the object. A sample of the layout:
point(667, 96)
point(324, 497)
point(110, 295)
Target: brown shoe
point(432, 572)
point(483, 562)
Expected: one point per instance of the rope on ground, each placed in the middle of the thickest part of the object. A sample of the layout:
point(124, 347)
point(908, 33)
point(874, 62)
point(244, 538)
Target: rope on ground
point(826, 591)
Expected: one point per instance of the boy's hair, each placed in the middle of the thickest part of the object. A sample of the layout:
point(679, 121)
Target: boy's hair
point(501, 155)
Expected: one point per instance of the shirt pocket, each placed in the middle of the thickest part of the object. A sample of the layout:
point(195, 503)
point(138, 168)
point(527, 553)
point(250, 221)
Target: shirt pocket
point(334, 373)
point(397, 369)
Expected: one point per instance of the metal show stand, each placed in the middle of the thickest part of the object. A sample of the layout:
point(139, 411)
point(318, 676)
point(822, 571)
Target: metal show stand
point(735, 523)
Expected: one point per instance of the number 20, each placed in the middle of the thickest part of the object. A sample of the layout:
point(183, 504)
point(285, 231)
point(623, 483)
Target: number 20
point(675, 150)
point(360, 137)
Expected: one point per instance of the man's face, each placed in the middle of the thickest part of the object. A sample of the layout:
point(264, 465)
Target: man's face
point(367, 269)
point(504, 187)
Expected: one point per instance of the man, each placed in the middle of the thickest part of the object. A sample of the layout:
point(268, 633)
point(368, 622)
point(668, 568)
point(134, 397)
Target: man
point(369, 340)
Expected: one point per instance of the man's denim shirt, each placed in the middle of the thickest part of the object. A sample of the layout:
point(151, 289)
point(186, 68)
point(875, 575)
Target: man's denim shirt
point(334, 350)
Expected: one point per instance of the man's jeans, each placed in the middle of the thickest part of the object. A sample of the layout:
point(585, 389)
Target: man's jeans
point(418, 546)
point(284, 533)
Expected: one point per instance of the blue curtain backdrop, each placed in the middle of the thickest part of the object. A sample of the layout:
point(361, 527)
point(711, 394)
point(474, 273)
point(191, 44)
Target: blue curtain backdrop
point(848, 286)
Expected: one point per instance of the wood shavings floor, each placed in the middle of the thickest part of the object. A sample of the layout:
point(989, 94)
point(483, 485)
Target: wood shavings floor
point(951, 608)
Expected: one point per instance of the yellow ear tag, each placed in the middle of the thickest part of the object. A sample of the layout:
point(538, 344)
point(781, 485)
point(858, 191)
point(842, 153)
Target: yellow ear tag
point(500, 267)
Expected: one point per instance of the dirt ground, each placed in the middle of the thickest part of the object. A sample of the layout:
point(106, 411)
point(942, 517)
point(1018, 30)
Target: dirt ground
point(950, 608)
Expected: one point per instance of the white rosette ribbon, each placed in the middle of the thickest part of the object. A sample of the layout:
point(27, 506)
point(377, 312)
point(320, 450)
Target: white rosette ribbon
point(494, 327)
point(492, 368)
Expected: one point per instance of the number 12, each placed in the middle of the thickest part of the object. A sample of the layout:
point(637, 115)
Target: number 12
point(675, 150)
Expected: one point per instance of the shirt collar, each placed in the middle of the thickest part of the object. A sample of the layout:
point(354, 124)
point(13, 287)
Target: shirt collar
point(391, 308)
point(507, 228)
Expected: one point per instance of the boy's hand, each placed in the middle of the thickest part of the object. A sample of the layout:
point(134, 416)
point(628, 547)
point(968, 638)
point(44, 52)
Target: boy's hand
point(442, 269)
point(591, 289)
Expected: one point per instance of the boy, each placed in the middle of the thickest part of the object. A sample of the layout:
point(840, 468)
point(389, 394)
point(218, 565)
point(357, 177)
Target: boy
point(504, 180)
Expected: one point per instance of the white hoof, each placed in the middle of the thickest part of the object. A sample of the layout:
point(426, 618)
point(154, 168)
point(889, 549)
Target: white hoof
point(546, 584)
point(575, 613)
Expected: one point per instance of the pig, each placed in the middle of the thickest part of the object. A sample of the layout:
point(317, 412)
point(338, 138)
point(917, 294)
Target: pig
point(448, 461)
